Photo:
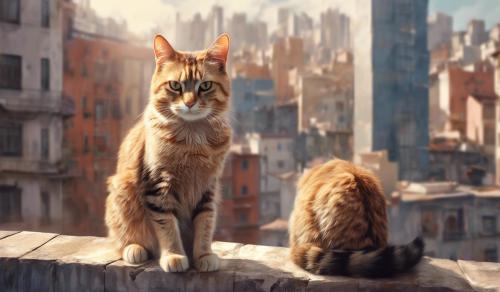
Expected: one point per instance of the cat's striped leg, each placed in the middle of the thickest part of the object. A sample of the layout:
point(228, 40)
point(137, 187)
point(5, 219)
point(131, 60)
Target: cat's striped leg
point(204, 224)
point(162, 203)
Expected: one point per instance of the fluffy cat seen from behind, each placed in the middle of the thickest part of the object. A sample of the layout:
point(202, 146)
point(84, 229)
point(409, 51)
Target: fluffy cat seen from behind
point(163, 198)
point(339, 225)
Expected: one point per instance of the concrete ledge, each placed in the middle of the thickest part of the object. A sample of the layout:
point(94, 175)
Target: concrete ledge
point(32, 261)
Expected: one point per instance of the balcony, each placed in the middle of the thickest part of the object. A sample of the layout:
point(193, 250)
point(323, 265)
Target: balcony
point(19, 165)
point(32, 261)
point(32, 101)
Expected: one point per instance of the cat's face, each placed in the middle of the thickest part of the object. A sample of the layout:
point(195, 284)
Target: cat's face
point(190, 85)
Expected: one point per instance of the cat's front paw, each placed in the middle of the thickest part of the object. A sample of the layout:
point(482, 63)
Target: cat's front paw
point(207, 263)
point(134, 254)
point(174, 263)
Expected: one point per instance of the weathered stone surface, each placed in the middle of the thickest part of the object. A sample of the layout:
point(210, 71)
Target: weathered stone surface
point(442, 274)
point(4, 234)
point(12, 247)
point(19, 244)
point(32, 261)
point(482, 276)
point(67, 263)
point(121, 276)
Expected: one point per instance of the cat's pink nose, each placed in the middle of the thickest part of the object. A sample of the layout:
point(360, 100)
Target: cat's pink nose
point(189, 103)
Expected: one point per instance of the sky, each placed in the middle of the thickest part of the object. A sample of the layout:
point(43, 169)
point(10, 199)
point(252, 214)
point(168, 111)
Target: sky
point(142, 15)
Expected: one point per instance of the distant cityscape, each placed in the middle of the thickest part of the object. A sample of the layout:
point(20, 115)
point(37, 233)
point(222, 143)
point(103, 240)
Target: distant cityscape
point(395, 90)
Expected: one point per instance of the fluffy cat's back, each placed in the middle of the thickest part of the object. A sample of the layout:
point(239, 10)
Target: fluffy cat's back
point(339, 225)
point(345, 203)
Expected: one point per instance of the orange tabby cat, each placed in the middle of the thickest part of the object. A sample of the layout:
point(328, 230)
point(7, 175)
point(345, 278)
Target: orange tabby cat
point(339, 225)
point(162, 199)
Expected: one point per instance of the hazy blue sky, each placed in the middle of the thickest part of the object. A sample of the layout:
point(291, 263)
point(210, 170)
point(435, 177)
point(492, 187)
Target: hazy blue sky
point(463, 10)
point(143, 14)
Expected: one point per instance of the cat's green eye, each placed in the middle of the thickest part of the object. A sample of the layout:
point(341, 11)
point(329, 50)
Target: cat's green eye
point(206, 86)
point(175, 86)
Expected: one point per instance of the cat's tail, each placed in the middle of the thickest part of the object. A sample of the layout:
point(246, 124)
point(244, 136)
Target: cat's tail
point(375, 263)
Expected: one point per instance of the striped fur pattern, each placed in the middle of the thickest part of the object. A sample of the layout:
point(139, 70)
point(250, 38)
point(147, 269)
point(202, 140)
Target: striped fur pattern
point(339, 225)
point(163, 198)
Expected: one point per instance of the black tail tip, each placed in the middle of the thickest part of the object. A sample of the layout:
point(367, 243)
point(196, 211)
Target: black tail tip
point(418, 242)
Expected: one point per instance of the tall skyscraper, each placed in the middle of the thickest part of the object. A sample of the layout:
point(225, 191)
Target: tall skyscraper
point(440, 30)
point(391, 66)
point(335, 30)
point(215, 23)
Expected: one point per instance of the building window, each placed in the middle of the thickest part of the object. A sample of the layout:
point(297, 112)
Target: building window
point(84, 71)
point(10, 11)
point(281, 164)
point(45, 74)
point(86, 147)
point(279, 147)
point(489, 111)
point(45, 13)
point(243, 218)
point(116, 110)
point(429, 225)
point(226, 191)
point(244, 190)
point(490, 254)
point(10, 208)
point(44, 144)
point(244, 164)
point(100, 110)
point(454, 224)
point(489, 225)
point(489, 135)
point(10, 71)
point(11, 139)
point(45, 198)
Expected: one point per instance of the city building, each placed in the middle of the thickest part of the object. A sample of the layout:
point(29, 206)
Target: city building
point(451, 158)
point(457, 222)
point(84, 18)
point(323, 144)
point(391, 70)
point(215, 23)
point(278, 119)
point(246, 33)
point(496, 61)
point(287, 54)
point(335, 31)
point(239, 212)
point(481, 125)
point(33, 168)
point(248, 96)
point(276, 153)
point(326, 99)
point(387, 172)
point(440, 30)
point(108, 80)
point(476, 33)
point(454, 86)
point(274, 233)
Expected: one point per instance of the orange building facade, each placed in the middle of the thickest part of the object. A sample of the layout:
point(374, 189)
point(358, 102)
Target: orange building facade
point(107, 81)
point(239, 209)
point(459, 86)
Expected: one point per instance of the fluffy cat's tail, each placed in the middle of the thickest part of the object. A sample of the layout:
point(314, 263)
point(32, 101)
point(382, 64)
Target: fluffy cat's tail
point(375, 263)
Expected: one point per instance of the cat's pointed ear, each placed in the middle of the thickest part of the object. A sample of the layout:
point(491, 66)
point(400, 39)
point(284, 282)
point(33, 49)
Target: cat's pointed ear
point(219, 49)
point(163, 50)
